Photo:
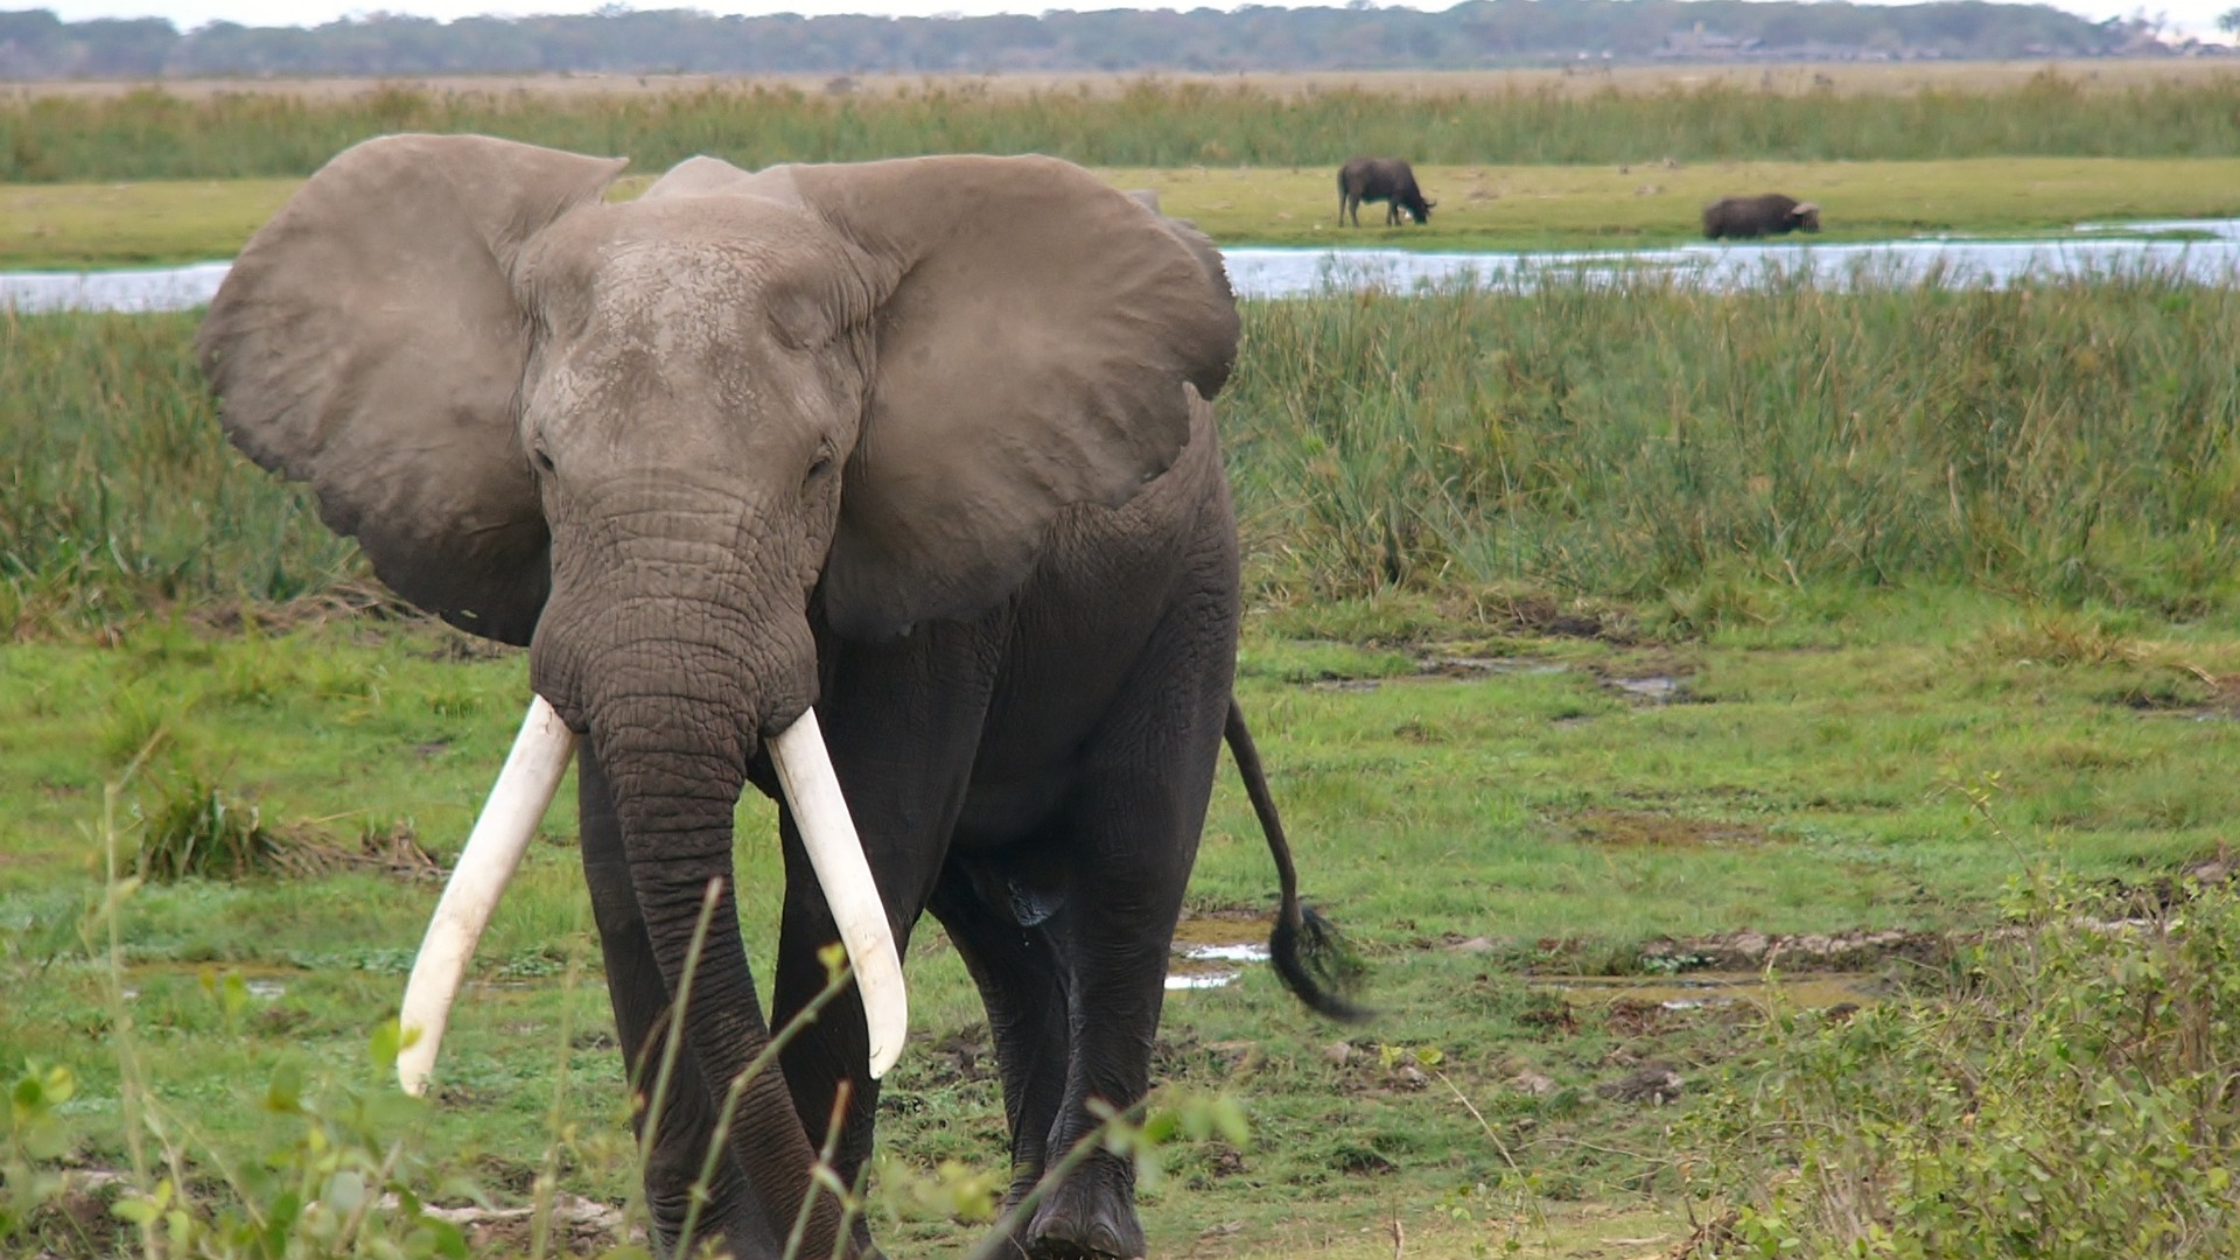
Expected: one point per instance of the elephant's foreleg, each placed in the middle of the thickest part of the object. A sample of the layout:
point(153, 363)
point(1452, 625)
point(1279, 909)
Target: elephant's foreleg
point(902, 723)
point(641, 1004)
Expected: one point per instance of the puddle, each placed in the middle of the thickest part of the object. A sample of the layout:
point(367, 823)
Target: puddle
point(1656, 688)
point(1488, 666)
point(1207, 949)
point(1179, 980)
point(1248, 951)
point(1449, 669)
point(260, 982)
point(1699, 990)
point(2213, 257)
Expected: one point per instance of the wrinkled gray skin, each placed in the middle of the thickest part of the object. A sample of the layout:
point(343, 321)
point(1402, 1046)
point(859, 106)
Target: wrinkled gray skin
point(1388, 180)
point(1768, 214)
point(922, 442)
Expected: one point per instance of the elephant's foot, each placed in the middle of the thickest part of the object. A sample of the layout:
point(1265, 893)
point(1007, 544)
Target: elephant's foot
point(1091, 1217)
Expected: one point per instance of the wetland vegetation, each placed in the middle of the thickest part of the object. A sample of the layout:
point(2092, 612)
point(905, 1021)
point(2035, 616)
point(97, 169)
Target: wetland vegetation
point(1622, 631)
point(153, 134)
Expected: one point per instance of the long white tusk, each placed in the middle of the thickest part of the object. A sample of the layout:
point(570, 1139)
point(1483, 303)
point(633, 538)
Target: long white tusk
point(829, 834)
point(517, 803)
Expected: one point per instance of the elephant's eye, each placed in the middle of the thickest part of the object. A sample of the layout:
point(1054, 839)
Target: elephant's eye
point(818, 469)
point(543, 460)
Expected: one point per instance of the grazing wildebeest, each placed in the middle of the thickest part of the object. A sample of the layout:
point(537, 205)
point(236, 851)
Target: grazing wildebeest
point(1767, 214)
point(1380, 179)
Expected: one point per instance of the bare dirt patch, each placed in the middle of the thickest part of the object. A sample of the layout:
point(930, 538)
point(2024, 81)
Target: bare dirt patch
point(1811, 951)
point(1625, 828)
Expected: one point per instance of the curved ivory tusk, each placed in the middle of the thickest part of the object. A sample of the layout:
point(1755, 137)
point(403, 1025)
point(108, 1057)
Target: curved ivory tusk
point(829, 834)
point(501, 835)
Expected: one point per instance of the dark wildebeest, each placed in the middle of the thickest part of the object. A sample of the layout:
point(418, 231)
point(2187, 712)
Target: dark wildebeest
point(1380, 179)
point(1768, 214)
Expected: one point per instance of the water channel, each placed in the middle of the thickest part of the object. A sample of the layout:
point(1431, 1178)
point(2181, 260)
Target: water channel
point(2203, 251)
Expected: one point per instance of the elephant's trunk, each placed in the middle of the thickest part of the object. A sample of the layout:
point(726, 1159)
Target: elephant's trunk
point(675, 765)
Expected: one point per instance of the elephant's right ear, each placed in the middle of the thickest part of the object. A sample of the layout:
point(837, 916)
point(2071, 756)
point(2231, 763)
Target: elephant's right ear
point(368, 341)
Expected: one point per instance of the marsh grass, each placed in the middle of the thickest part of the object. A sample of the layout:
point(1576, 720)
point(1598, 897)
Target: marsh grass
point(149, 134)
point(1690, 453)
point(1652, 442)
point(118, 491)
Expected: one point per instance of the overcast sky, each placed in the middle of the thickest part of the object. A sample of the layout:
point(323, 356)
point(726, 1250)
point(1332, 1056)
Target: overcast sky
point(2195, 17)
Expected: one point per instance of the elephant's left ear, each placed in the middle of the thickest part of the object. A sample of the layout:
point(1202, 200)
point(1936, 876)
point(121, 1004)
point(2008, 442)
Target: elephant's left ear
point(1033, 353)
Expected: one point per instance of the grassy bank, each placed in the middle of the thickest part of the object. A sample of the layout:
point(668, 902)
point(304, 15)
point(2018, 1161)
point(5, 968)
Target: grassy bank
point(154, 135)
point(1479, 207)
point(1703, 457)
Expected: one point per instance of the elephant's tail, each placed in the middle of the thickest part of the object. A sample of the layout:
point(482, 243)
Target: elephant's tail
point(1315, 962)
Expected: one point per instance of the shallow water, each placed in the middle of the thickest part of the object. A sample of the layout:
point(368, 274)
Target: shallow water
point(1276, 273)
point(135, 291)
point(1952, 260)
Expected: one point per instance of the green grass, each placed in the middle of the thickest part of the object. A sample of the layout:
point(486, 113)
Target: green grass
point(1686, 450)
point(1479, 207)
point(1828, 779)
point(60, 226)
point(1649, 203)
point(153, 135)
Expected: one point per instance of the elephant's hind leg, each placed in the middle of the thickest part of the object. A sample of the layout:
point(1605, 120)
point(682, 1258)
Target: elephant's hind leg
point(1130, 830)
point(1015, 967)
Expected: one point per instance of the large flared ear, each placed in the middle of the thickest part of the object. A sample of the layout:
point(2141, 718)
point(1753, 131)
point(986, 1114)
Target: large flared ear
point(1031, 355)
point(368, 341)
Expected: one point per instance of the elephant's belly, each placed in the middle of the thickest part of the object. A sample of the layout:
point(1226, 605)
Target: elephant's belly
point(1120, 651)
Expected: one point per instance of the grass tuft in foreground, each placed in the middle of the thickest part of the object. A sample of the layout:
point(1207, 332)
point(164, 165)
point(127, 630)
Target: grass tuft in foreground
point(198, 831)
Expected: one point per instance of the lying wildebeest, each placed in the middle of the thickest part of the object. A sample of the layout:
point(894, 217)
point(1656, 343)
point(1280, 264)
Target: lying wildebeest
point(1767, 214)
point(1380, 179)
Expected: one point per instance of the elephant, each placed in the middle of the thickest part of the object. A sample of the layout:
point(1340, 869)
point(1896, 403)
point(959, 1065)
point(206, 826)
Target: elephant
point(891, 489)
point(1388, 180)
point(1768, 214)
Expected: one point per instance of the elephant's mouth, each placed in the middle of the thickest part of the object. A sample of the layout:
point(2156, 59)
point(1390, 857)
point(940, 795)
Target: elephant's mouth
point(517, 802)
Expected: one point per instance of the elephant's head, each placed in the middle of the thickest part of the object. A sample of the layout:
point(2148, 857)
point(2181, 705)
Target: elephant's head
point(656, 440)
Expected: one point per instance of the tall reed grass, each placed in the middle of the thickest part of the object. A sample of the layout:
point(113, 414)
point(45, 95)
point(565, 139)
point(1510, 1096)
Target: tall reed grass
point(2067, 441)
point(2063, 440)
point(154, 135)
point(118, 492)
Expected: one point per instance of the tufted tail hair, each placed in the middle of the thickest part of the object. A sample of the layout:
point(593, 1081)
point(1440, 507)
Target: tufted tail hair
point(1314, 960)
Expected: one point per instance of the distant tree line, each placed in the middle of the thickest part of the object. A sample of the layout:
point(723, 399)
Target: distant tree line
point(35, 44)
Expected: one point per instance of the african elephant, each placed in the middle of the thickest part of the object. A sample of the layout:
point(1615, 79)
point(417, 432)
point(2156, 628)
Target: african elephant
point(925, 443)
